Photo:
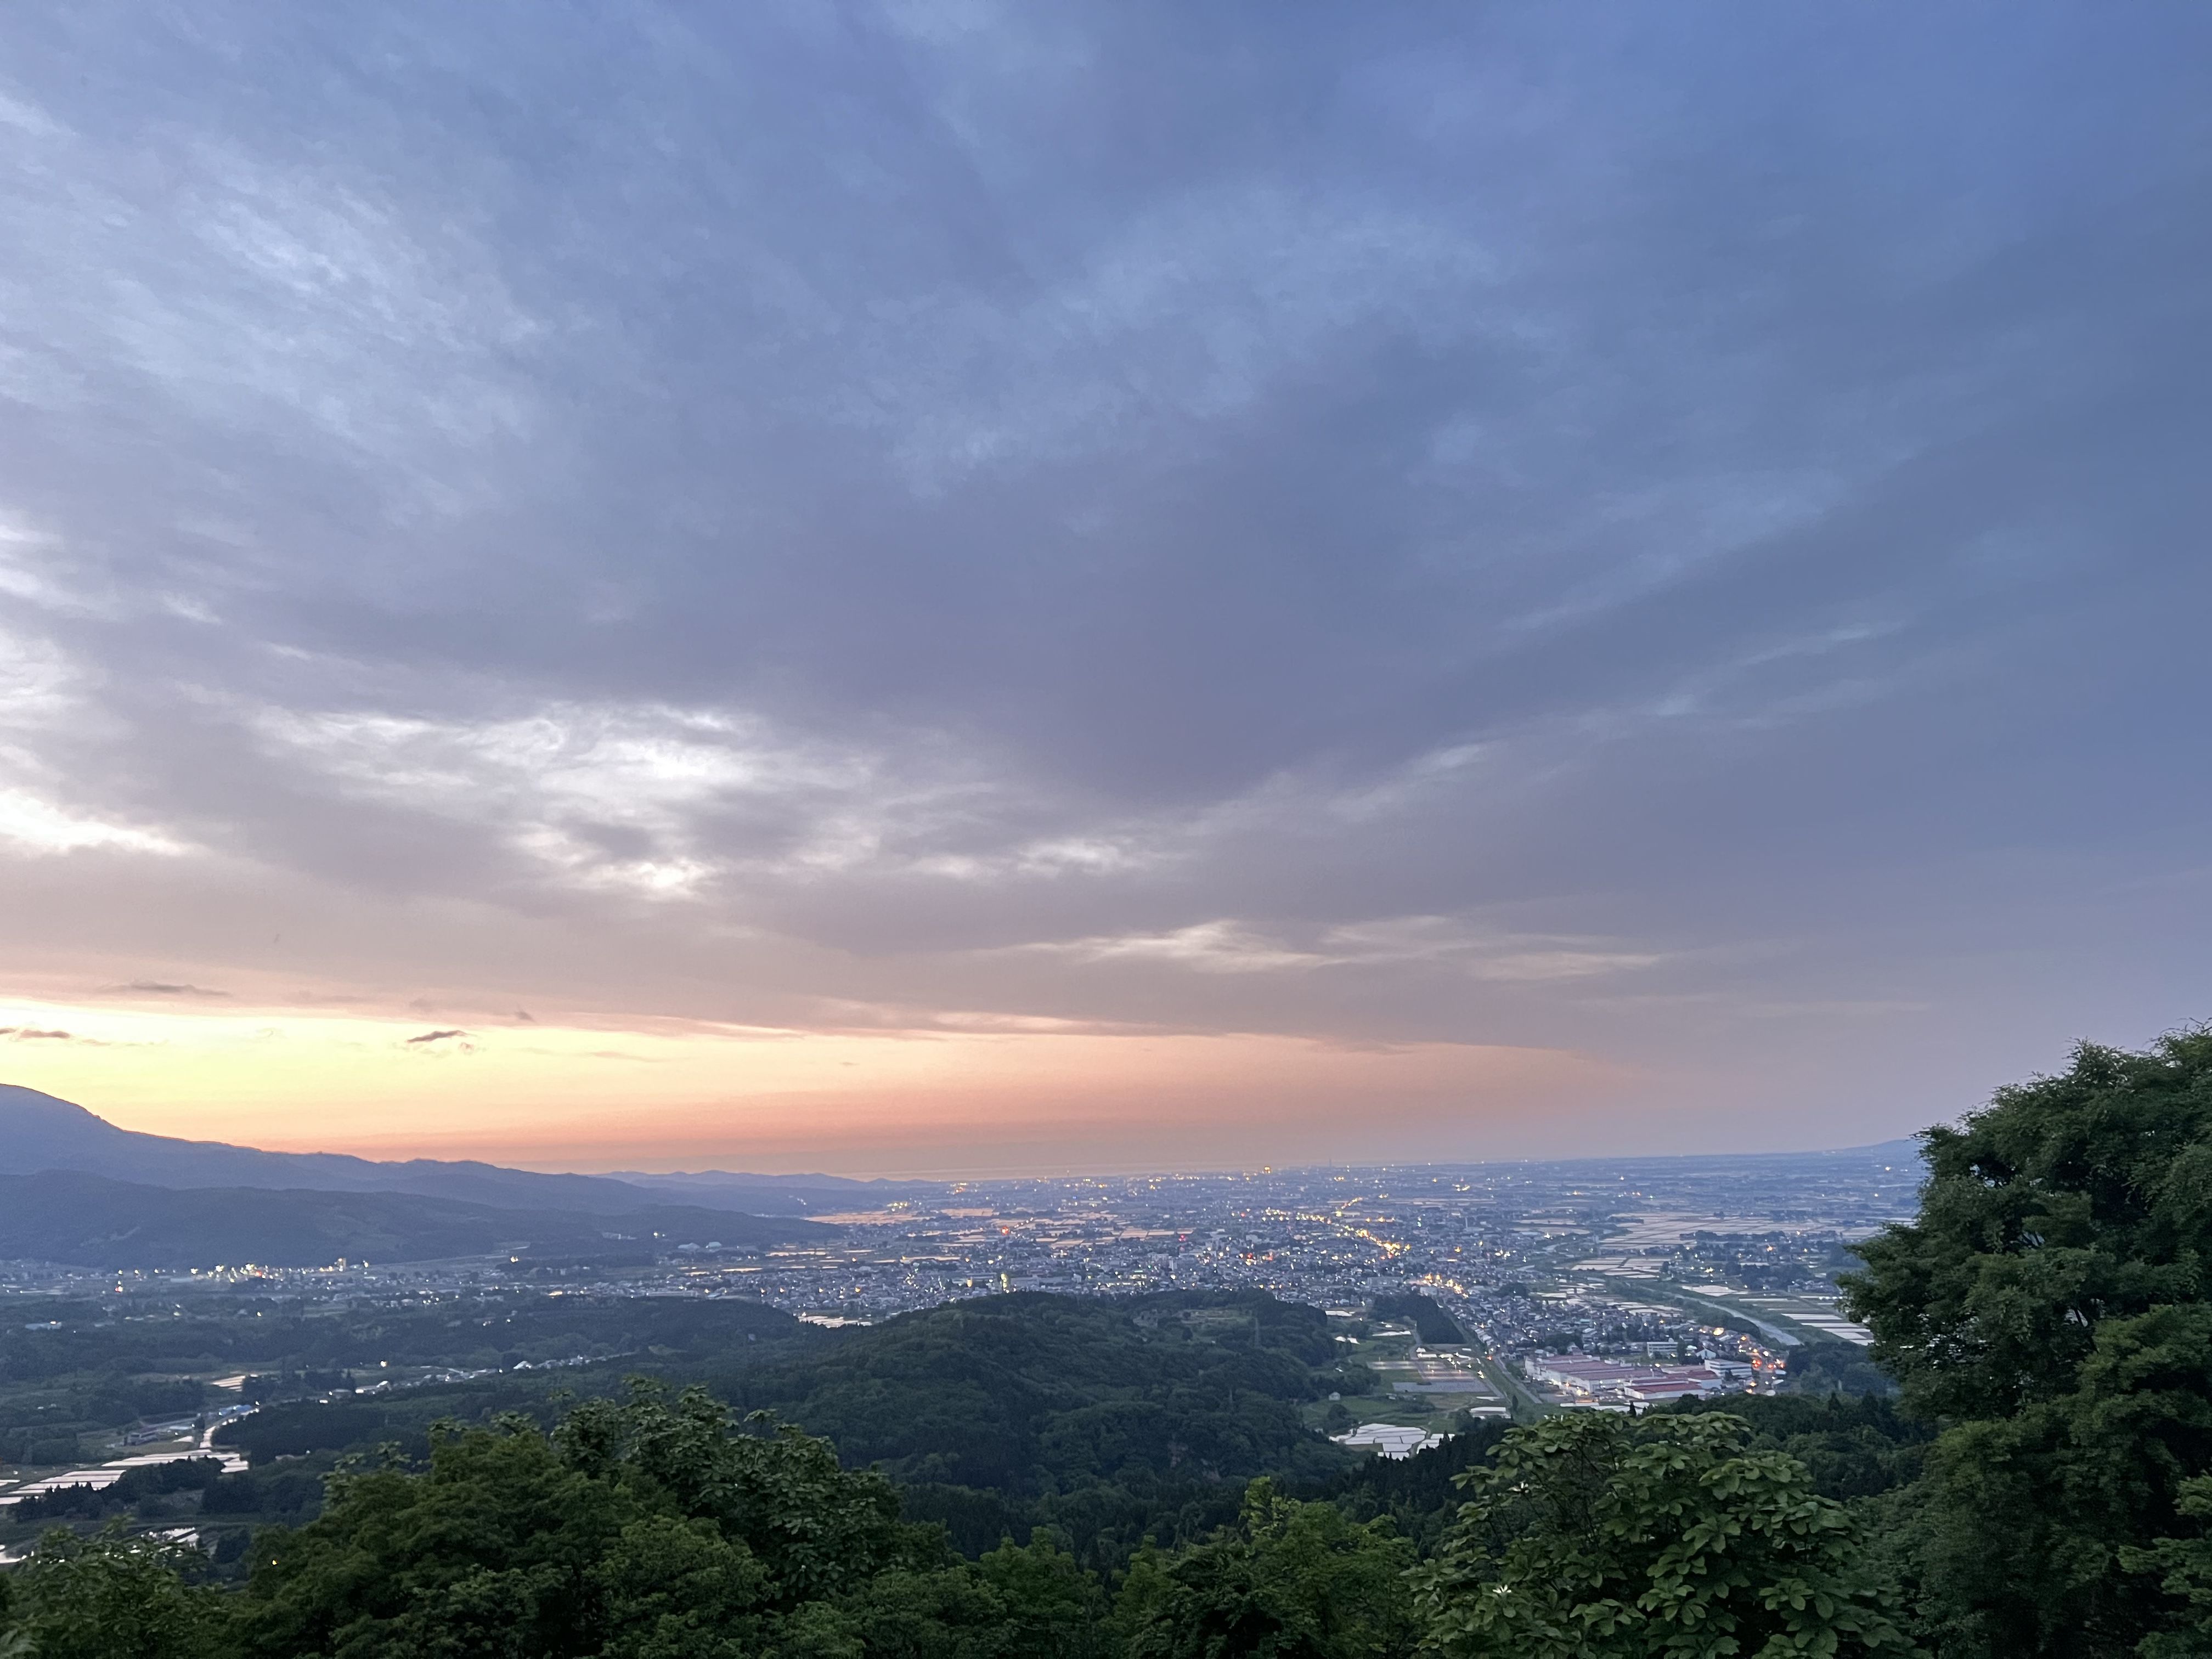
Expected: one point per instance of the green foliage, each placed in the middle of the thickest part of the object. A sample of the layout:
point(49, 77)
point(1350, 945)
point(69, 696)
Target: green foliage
point(1596, 1537)
point(1038, 1393)
point(292, 1385)
point(2049, 1303)
point(1420, 1493)
point(2184, 1566)
point(1853, 1446)
point(640, 1529)
point(295, 1429)
point(1819, 1366)
point(1014, 1603)
point(112, 1597)
point(2072, 1201)
point(289, 1493)
point(57, 1386)
point(139, 1488)
point(653, 1529)
point(645, 1528)
point(1103, 1421)
point(1430, 1321)
point(944, 1613)
point(1100, 1422)
point(999, 1414)
point(1290, 1581)
point(1054, 1609)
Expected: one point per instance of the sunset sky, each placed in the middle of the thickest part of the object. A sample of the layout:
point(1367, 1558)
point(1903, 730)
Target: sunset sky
point(959, 588)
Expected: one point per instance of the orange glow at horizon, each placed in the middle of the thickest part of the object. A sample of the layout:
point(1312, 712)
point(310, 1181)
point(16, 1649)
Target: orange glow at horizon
point(918, 1102)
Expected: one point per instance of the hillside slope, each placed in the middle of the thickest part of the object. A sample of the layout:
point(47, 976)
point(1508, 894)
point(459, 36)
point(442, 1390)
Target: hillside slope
point(40, 1132)
point(1105, 1421)
point(1031, 1393)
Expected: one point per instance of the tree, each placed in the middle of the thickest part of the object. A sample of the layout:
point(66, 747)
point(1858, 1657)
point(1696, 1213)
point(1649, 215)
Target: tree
point(1593, 1536)
point(1014, 1603)
point(2049, 1304)
point(112, 1597)
point(944, 1612)
point(639, 1530)
point(1290, 1581)
point(1054, 1608)
point(815, 1527)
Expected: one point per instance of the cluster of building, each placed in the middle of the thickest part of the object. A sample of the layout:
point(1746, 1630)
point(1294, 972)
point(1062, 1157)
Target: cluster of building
point(1622, 1385)
point(1654, 1278)
point(1388, 1439)
point(1506, 1246)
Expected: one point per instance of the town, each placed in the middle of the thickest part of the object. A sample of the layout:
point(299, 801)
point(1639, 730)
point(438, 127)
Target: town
point(1466, 1290)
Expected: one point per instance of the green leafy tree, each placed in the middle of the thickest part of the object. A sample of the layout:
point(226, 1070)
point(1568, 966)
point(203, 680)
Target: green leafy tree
point(1054, 1608)
point(1593, 1536)
point(639, 1530)
point(1014, 1603)
point(944, 1613)
point(1290, 1581)
point(2184, 1566)
point(815, 1527)
point(108, 1596)
point(2049, 1305)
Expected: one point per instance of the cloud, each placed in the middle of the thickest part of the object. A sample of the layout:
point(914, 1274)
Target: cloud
point(458, 1038)
point(1224, 947)
point(40, 826)
point(603, 795)
point(161, 989)
point(1480, 530)
point(38, 1034)
point(1208, 946)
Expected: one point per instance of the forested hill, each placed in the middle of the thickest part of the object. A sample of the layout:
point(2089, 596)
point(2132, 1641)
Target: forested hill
point(1033, 1394)
point(1104, 1419)
point(40, 1133)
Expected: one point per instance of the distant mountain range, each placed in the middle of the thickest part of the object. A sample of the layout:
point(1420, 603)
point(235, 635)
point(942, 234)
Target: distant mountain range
point(39, 1132)
point(75, 1189)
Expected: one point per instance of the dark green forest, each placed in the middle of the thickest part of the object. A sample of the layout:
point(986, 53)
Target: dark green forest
point(1032, 1475)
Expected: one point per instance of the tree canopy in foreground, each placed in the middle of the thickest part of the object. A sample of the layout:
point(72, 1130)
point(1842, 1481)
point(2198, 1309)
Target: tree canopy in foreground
point(2048, 1306)
point(1597, 1537)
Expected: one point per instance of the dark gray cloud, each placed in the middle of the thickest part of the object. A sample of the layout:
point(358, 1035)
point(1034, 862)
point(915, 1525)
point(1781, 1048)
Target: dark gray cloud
point(1667, 532)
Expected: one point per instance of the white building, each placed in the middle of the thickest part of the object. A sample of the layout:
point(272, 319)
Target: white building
point(1388, 1440)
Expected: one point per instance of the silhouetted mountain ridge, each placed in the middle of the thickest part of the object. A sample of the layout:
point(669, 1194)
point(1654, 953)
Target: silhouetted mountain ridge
point(40, 1132)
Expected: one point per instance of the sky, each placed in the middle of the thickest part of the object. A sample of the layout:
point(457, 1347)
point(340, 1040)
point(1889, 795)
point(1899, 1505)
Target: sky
point(959, 588)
